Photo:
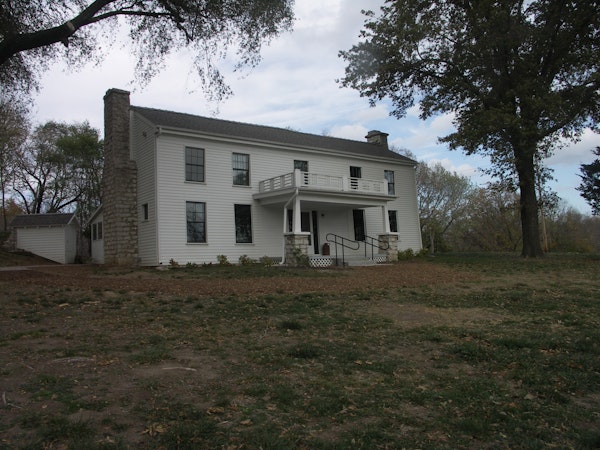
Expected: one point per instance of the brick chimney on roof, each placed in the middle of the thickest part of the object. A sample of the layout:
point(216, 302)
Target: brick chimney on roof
point(378, 138)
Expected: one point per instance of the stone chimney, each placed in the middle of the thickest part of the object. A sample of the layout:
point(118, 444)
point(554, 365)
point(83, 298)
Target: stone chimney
point(377, 137)
point(119, 183)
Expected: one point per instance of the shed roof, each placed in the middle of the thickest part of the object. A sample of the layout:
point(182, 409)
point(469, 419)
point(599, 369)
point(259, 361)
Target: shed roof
point(42, 220)
point(261, 133)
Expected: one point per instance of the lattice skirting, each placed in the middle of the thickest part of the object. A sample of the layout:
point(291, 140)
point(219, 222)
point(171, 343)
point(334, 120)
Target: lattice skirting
point(329, 261)
point(380, 259)
point(321, 261)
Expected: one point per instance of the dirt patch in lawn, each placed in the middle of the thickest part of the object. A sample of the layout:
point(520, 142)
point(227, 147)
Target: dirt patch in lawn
point(414, 316)
point(347, 280)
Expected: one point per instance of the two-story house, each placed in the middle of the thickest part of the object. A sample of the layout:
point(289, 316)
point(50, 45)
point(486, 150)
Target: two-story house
point(184, 188)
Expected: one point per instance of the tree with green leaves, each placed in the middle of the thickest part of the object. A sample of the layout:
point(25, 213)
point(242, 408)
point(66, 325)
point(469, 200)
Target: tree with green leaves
point(59, 169)
point(590, 183)
point(517, 75)
point(34, 33)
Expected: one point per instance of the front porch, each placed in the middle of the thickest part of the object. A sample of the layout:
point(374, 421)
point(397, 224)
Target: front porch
point(315, 206)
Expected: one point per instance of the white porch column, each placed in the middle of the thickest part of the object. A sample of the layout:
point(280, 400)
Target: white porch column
point(386, 219)
point(297, 216)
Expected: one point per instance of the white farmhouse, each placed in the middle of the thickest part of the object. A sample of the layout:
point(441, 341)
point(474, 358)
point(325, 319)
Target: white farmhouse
point(184, 188)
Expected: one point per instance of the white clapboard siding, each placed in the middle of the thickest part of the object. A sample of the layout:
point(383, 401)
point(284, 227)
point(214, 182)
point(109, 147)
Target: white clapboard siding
point(143, 148)
point(160, 159)
point(57, 243)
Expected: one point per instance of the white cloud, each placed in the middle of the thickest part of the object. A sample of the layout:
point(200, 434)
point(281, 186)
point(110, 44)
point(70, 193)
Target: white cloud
point(464, 169)
point(442, 125)
point(413, 111)
point(578, 152)
point(355, 132)
point(369, 114)
point(294, 86)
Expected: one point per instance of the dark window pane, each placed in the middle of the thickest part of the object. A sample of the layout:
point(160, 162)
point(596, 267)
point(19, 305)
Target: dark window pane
point(196, 222)
point(243, 224)
point(194, 164)
point(301, 165)
point(389, 176)
point(393, 215)
point(241, 169)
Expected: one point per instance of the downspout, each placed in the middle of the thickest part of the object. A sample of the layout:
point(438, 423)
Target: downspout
point(285, 222)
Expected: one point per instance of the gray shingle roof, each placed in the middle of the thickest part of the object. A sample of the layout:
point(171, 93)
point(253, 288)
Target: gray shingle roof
point(263, 133)
point(41, 220)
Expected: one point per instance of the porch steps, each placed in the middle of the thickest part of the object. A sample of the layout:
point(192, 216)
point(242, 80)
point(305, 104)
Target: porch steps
point(358, 261)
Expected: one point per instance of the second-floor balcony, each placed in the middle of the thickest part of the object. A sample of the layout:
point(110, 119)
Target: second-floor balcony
point(323, 183)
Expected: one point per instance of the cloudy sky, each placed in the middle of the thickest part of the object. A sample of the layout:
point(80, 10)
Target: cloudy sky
point(294, 86)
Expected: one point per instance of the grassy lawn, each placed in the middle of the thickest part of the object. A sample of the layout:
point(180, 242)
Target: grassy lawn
point(508, 357)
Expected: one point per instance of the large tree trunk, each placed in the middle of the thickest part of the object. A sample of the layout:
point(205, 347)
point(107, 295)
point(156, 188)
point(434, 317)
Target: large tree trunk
point(532, 247)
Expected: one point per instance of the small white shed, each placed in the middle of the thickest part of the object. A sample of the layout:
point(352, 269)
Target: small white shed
point(51, 236)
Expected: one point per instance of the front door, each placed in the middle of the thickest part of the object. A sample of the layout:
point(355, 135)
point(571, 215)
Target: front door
point(315, 232)
point(358, 216)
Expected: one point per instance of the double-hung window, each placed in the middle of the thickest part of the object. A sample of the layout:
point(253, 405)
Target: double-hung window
point(194, 164)
point(241, 169)
point(243, 224)
point(196, 221)
point(389, 176)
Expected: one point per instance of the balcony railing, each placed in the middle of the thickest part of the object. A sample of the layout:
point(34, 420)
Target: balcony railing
point(298, 179)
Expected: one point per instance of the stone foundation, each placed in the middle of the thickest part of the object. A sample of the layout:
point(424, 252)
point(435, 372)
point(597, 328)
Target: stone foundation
point(392, 241)
point(296, 249)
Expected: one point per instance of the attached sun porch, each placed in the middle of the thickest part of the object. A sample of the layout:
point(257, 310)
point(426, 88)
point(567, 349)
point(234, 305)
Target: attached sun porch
point(323, 217)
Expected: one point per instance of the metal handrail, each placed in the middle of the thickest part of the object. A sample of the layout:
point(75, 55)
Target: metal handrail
point(355, 245)
point(344, 243)
point(375, 243)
